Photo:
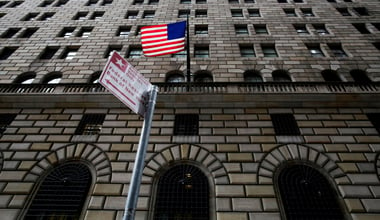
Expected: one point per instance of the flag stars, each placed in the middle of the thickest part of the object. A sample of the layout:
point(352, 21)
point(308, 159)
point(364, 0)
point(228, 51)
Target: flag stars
point(120, 63)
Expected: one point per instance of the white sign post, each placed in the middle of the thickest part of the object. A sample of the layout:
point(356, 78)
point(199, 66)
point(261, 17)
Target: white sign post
point(130, 87)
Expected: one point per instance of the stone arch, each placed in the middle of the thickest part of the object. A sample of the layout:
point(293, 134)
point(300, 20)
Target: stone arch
point(84, 152)
point(185, 152)
point(294, 152)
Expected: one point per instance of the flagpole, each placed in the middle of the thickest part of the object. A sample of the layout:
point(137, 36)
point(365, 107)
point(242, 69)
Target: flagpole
point(134, 187)
point(188, 71)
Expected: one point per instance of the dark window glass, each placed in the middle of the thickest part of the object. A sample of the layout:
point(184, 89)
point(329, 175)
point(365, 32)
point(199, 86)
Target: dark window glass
point(61, 194)
point(182, 193)
point(186, 124)
point(112, 48)
point(131, 15)
point(254, 12)
point(236, 13)
point(69, 53)
point(90, 124)
point(183, 13)
point(343, 11)
point(301, 29)
point(201, 29)
point(92, 2)
point(10, 32)
point(30, 17)
point(200, 13)
point(290, 12)
point(337, 50)
point(106, 2)
point(362, 11)
point(247, 51)
point(61, 3)
point(375, 120)
point(15, 4)
point(6, 52)
point(281, 76)
point(148, 14)
point(269, 51)
point(241, 29)
point(153, 2)
point(376, 45)
point(330, 76)
point(80, 16)
point(260, 29)
point(201, 52)
point(5, 121)
point(85, 32)
point(47, 16)
point(361, 28)
point(46, 3)
point(315, 50)
point(138, 2)
point(306, 194)
point(360, 76)
point(28, 32)
point(97, 15)
point(285, 124)
point(307, 12)
point(2, 3)
point(124, 31)
point(252, 76)
point(134, 52)
point(66, 32)
point(49, 53)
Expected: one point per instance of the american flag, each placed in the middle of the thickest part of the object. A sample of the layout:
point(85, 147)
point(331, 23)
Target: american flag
point(163, 39)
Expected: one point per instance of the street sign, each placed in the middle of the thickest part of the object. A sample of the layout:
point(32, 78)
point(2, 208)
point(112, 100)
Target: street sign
point(126, 83)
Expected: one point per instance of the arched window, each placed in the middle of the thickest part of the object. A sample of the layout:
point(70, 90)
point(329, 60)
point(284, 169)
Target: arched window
point(330, 76)
point(307, 194)
point(252, 76)
point(25, 78)
point(52, 78)
point(175, 77)
point(360, 76)
point(182, 193)
point(203, 76)
point(281, 76)
point(61, 194)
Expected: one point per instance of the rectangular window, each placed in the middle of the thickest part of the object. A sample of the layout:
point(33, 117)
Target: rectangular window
point(186, 124)
point(307, 12)
point(185, 1)
point(290, 12)
point(10, 32)
point(321, 29)
point(233, 1)
point(343, 11)
point(134, 52)
point(254, 12)
point(106, 2)
point(47, 16)
point(374, 118)
point(112, 48)
point(2, 3)
point(181, 54)
point(97, 15)
point(138, 2)
point(249, 1)
point(201, 29)
point(153, 2)
point(30, 17)
point(85, 32)
point(236, 13)
point(183, 13)
point(66, 32)
point(201, 2)
point(92, 2)
point(201, 51)
point(260, 29)
point(124, 31)
point(48, 53)
point(69, 53)
point(269, 50)
point(90, 124)
point(282, 1)
point(301, 29)
point(247, 51)
point(361, 11)
point(377, 26)
point(337, 50)
point(201, 13)
point(148, 14)
point(241, 29)
point(28, 32)
point(6, 52)
point(315, 50)
point(15, 4)
point(5, 121)
point(361, 27)
point(284, 124)
point(61, 3)
point(376, 45)
point(131, 15)
point(80, 16)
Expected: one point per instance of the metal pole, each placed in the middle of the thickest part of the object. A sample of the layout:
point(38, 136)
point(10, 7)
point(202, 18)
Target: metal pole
point(188, 63)
point(134, 187)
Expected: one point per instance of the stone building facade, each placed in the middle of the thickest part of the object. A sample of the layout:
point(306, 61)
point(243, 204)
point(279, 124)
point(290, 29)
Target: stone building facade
point(282, 104)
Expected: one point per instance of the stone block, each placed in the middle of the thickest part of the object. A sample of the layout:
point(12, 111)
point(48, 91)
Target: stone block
point(107, 189)
point(246, 204)
point(231, 215)
point(99, 215)
point(229, 191)
point(260, 191)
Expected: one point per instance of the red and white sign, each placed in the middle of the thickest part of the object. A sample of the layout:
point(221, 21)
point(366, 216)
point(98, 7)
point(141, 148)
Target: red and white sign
point(126, 83)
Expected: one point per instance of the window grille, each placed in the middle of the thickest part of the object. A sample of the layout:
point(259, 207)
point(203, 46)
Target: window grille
point(90, 124)
point(182, 193)
point(5, 120)
point(375, 120)
point(61, 194)
point(186, 124)
point(284, 124)
point(306, 194)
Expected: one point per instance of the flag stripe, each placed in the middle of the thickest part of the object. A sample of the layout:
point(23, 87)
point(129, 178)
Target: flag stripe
point(163, 39)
